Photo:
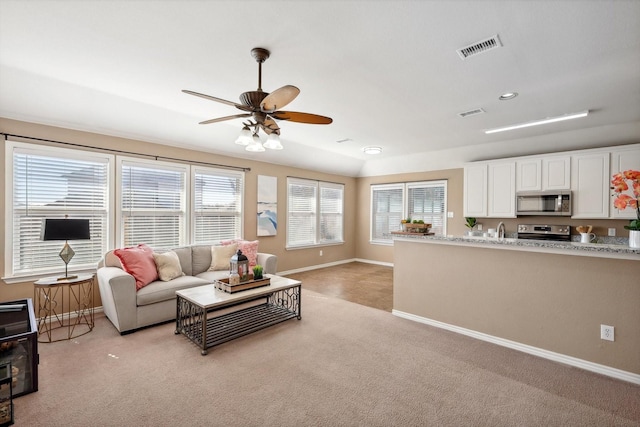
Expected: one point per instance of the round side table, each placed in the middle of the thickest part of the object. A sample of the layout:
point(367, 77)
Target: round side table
point(64, 308)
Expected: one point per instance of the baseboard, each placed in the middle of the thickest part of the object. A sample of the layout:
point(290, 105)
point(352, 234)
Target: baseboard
point(546, 354)
point(73, 314)
point(369, 261)
point(332, 264)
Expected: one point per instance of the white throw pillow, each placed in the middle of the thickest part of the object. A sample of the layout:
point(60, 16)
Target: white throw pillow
point(168, 265)
point(221, 255)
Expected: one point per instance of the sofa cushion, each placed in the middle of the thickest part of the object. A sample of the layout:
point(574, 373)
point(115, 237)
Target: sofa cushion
point(201, 259)
point(168, 265)
point(221, 256)
point(159, 291)
point(138, 261)
point(210, 276)
point(184, 255)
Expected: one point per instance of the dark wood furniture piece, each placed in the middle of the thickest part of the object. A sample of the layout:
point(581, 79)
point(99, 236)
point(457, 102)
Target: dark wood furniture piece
point(19, 344)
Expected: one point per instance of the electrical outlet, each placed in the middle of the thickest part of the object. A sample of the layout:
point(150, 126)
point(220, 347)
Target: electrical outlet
point(607, 333)
point(479, 227)
point(612, 232)
point(449, 214)
point(320, 252)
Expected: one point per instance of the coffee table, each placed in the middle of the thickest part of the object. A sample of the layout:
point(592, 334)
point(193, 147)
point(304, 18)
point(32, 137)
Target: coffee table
point(209, 316)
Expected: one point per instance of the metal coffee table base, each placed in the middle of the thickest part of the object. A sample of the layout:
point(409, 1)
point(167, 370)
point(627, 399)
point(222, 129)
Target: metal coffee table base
point(193, 322)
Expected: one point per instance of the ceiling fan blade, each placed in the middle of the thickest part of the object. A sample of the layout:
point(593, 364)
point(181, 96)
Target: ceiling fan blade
point(279, 98)
point(223, 101)
point(222, 119)
point(269, 126)
point(294, 116)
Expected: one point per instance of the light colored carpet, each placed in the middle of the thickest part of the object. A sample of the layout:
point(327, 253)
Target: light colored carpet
point(343, 364)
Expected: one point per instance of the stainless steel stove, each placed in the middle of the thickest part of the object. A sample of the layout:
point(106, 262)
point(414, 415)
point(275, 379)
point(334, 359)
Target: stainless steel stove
point(558, 233)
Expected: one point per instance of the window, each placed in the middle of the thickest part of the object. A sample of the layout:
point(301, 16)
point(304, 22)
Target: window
point(428, 201)
point(390, 203)
point(142, 201)
point(152, 203)
point(387, 209)
point(50, 183)
point(314, 213)
point(217, 200)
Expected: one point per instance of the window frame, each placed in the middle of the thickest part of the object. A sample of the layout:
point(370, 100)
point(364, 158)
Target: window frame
point(195, 170)
point(12, 148)
point(317, 239)
point(405, 187)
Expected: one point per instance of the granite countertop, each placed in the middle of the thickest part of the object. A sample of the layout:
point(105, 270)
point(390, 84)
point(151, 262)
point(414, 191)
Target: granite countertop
point(603, 250)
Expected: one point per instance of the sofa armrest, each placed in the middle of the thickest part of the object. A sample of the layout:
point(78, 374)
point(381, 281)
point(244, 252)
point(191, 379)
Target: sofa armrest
point(118, 294)
point(269, 262)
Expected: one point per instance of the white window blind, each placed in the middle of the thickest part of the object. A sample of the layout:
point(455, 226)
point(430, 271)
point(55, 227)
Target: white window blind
point(331, 212)
point(153, 204)
point(55, 184)
point(218, 204)
point(390, 203)
point(428, 201)
point(315, 212)
point(387, 205)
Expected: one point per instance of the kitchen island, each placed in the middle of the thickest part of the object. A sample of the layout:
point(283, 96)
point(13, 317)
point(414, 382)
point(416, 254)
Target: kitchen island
point(540, 297)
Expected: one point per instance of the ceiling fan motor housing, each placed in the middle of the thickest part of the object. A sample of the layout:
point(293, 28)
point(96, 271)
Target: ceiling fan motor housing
point(253, 98)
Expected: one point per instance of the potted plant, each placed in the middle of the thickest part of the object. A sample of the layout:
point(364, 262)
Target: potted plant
point(257, 272)
point(470, 222)
point(622, 181)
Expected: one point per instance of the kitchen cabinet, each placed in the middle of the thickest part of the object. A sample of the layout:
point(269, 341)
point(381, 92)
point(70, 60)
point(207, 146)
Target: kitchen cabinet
point(622, 160)
point(590, 185)
point(543, 173)
point(475, 190)
point(529, 174)
point(556, 173)
point(501, 190)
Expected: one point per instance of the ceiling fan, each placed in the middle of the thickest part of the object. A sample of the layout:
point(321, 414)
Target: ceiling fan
point(263, 108)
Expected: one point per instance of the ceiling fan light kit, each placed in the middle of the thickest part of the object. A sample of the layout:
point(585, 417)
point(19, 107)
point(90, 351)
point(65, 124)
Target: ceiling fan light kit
point(262, 110)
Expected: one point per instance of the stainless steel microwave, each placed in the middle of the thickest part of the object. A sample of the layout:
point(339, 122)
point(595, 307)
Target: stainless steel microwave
point(544, 203)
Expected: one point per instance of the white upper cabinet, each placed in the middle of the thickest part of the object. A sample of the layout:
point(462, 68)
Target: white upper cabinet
point(529, 174)
point(556, 173)
point(622, 160)
point(543, 173)
point(590, 185)
point(502, 189)
point(475, 190)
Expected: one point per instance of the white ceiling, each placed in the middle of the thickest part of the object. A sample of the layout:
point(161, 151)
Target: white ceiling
point(387, 72)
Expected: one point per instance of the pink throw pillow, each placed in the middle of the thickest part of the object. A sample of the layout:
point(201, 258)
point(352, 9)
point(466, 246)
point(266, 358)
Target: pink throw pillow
point(248, 248)
point(138, 261)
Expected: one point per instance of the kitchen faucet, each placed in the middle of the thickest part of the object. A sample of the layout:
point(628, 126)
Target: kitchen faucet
point(500, 231)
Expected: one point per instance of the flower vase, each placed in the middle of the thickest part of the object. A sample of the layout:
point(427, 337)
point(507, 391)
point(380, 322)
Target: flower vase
point(634, 239)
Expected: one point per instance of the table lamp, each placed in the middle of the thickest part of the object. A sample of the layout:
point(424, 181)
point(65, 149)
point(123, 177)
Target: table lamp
point(66, 229)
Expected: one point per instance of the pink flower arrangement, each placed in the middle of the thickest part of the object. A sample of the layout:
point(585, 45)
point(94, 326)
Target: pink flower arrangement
point(621, 183)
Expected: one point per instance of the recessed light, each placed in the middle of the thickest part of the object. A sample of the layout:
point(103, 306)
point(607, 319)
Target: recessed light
point(540, 122)
point(507, 96)
point(372, 150)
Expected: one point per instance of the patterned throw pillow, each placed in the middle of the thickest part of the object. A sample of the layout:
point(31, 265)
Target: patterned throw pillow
point(168, 265)
point(138, 261)
point(221, 255)
point(248, 248)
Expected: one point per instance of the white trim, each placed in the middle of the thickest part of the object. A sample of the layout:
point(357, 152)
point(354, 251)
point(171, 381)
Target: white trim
point(546, 354)
point(331, 264)
point(314, 267)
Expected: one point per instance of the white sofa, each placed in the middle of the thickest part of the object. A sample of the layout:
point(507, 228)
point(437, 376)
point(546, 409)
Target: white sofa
point(129, 309)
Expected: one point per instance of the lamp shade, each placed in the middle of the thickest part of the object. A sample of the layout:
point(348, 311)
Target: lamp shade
point(66, 229)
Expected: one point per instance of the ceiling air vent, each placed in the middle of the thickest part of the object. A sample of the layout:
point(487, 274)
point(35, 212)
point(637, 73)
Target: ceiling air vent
point(471, 112)
point(480, 47)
